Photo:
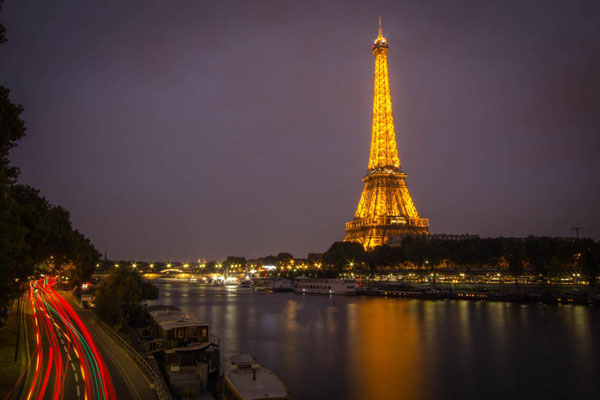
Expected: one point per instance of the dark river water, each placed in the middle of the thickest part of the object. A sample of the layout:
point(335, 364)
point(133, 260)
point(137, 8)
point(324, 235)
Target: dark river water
point(355, 347)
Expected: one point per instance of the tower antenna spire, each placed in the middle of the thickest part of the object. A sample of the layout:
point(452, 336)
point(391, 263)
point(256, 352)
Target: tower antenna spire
point(380, 34)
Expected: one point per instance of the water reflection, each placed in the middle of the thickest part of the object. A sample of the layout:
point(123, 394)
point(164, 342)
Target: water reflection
point(362, 348)
point(291, 323)
point(384, 352)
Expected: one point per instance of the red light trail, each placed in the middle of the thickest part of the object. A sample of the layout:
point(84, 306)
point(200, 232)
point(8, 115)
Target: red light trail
point(61, 341)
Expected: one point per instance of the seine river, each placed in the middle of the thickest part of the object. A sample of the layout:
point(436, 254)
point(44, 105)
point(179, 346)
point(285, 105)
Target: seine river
point(355, 347)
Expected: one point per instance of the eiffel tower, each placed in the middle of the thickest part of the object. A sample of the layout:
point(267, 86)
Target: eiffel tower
point(385, 208)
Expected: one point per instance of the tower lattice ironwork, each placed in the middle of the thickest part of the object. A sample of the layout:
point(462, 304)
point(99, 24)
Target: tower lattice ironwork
point(385, 208)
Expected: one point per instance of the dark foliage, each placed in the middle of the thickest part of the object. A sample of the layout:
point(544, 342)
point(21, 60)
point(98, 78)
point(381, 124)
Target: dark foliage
point(232, 260)
point(541, 255)
point(341, 254)
point(118, 299)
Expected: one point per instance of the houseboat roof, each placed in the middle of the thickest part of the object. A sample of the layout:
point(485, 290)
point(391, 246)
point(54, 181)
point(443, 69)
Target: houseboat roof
point(252, 381)
point(169, 317)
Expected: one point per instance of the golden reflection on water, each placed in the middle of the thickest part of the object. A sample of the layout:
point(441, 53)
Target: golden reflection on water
point(381, 370)
point(290, 312)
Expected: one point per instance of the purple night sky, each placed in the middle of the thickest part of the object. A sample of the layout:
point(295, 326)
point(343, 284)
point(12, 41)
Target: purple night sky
point(178, 130)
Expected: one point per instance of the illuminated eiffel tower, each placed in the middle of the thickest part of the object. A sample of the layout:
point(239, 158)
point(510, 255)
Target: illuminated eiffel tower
point(385, 208)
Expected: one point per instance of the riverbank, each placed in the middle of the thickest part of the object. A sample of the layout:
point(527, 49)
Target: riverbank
point(432, 294)
point(548, 294)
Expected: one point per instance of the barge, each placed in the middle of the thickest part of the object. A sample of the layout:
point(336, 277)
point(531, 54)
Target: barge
point(246, 379)
point(187, 354)
point(304, 284)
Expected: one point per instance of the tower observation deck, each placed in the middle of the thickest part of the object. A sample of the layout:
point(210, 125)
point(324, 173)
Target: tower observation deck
point(385, 208)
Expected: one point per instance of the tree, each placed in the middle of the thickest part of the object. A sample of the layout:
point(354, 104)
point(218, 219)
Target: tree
point(590, 264)
point(314, 258)
point(554, 267)
point(268, 260)
point(232, 260)
point(83, 257)
point(514, 254)
point(415, 250)
point(342, 254)
point(2, 30)
point(13, 247)
point(54, 246)
point(118, 298)
point(436, 254)
point(284, 258)
point(538, 252)
point(378, 256)
point(211, 266)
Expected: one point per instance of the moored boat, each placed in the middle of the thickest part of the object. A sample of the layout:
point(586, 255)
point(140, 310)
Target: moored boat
point(282, 285)
point(188, 355)
point(262, 284)
point(274, 284)
point(246, 379)
point(304, 284)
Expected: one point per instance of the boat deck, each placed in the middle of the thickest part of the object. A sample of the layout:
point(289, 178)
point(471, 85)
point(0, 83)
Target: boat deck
point(259, 383)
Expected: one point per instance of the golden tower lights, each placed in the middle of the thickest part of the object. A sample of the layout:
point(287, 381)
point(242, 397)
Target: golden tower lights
point(385, 208)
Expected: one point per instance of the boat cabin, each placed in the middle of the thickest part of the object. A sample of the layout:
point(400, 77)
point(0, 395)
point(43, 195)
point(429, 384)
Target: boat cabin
point(176, 329)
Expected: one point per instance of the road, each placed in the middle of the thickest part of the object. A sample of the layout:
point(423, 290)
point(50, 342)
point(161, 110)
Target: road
point(128, 379)
point(71, 355)
point(65, 362)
